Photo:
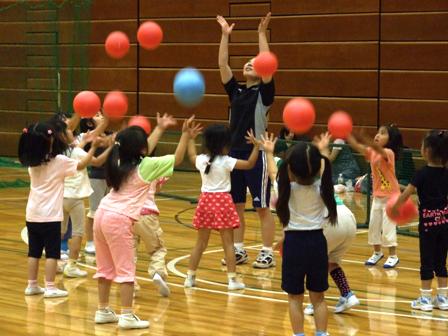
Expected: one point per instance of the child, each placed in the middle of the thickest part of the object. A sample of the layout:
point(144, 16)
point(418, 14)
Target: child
point(381, 154)
point(431, 184)
point(148, 226)
point(305, 205)
point(40, 150)
point(129, 173)
point(343, 162)
point(215, 209)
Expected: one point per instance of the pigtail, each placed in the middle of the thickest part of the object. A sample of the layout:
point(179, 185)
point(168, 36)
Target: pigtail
point(112, 167)
point(327, 192)
point(209, 163)
point(284, 192)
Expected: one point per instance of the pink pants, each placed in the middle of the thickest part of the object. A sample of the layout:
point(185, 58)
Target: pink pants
point(114, 243)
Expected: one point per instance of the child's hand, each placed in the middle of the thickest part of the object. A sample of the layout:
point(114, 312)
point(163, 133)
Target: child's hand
point(165, 121)
point(268, 142)
point(96, 142)
point(322, 141)
point(250, 138)
point(194, 130)
point(187, 124)
point(88, 137)
point(226, 29)
point(264, 23)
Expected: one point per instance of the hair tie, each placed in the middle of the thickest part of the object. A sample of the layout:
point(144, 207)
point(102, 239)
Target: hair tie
point(441, 133)
point(50, 132)
point(25, 130)
point(117, 143)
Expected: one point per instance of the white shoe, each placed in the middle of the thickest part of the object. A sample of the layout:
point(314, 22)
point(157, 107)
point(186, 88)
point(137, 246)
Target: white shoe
point(131, 321)
point(164, 290)
point(345, 303)
point(391, 262)
point(309, 310)
point(55, 293)
point(34, 290)
point(440, 302)
point(373, 260)
point(235, 285)
point(74, 272)
point(422, 303)
point(265, 259)
point(64, 256)
point(105, 316)
point(190, 282)
point(89, 248)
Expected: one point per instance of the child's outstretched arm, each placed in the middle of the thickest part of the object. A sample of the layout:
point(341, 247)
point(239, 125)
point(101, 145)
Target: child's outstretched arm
point(162, 124)
point(73, 122)
point(192, 154)
point(88, 158)
point(263, 41)
point(410, 189)
point(223, 56)
point(322, 142)
point(189, 130)
point(268, 142)
point(98, 161)
point(252, 160)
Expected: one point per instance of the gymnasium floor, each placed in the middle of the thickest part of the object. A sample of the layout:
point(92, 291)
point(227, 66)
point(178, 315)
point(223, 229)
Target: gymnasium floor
point(261, 309)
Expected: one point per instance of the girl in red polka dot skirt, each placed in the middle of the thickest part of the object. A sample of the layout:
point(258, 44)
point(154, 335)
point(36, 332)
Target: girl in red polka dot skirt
point(216, 210)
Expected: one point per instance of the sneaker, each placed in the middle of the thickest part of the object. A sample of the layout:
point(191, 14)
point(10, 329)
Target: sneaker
point(373, 260)
point(90, 248)
point(265, 259)
point(345, 303)
point(235, 285)
point(34, 290)
point(131, 321)
point(164, 290)
point(105, 316)
point(423, 303)
point(64, 255)
point(440, 302)
point(241, 257)
point(74, 272)
point(55, 293)
point(190, 282)
point(391, 262)
point(309, 310)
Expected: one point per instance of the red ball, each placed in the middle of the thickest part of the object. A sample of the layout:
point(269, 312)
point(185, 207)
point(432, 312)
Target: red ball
point(141, 122)
point(299, 115)
point(86, 104)
point(115, 104)
point(340, 125)
point(265, 64)
point(117, 44)
point(149, 35)
point(407, 212)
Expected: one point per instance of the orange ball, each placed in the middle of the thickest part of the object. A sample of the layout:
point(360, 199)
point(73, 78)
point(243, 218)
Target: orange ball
point(406, 213)
point(265, 64)
point(340, 125)
point(299, 115)
point(149, 35)
point(115, 104)
point(142, 122)
point(117, 44)
point(86, 104)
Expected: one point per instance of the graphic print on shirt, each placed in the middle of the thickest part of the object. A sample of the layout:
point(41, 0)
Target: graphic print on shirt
point(385, 184)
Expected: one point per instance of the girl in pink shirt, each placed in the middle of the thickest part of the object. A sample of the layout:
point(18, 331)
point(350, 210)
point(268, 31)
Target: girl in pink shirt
point(40, 150)
point(129, 172)
point(381, 154)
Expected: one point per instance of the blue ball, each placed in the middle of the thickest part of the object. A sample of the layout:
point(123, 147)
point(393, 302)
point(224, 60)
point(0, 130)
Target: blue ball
point(189, 87)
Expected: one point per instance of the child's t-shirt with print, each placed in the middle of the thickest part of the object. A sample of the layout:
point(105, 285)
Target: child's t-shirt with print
point(385, 182)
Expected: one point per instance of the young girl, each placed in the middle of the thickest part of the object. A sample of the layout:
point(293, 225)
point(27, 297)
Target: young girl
point(431, 184)
point(215, 208)
point(40, 150)
point(129, 173)
point(381, 154)
point(305, 205)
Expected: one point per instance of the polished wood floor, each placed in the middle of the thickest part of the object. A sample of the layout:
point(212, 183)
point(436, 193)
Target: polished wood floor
point(261, 309)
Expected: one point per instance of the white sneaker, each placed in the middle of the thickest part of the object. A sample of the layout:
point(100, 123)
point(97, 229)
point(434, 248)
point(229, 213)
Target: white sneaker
point(74, 272)
point(440, 302)
point(373, 260)
point(423, 303)
point(131, 321)
point(265, 259)
point(309, 310)
point(345, 303)
point(164, 290)
point(64, 256)
point(55, 293)
point(105, 316)
point(190, 282)
point(391, 262)
point(89, 248)
point(235, 285)
point(34, 290)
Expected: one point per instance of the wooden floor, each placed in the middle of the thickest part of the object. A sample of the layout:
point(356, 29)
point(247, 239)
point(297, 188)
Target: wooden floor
point(261, 309)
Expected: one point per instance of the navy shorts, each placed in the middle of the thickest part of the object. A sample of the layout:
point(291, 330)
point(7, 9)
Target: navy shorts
point(256, 179)
point(304, 256)
point(44, 235)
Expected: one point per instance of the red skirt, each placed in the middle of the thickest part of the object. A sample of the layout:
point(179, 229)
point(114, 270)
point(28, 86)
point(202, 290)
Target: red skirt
point(216, 211)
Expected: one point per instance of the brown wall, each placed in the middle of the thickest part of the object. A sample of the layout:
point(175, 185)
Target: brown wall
point(382, 61)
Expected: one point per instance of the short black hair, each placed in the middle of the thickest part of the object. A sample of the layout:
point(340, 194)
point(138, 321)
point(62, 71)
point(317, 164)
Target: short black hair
point(35, 145)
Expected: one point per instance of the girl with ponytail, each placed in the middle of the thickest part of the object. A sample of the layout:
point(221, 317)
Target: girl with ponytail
point(305, 205)
point(216, 209)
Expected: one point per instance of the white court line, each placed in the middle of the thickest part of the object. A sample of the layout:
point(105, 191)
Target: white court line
point(284, 301)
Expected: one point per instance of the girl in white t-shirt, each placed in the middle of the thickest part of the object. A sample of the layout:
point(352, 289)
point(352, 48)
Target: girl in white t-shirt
point(216, 210)
point(40, 150)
